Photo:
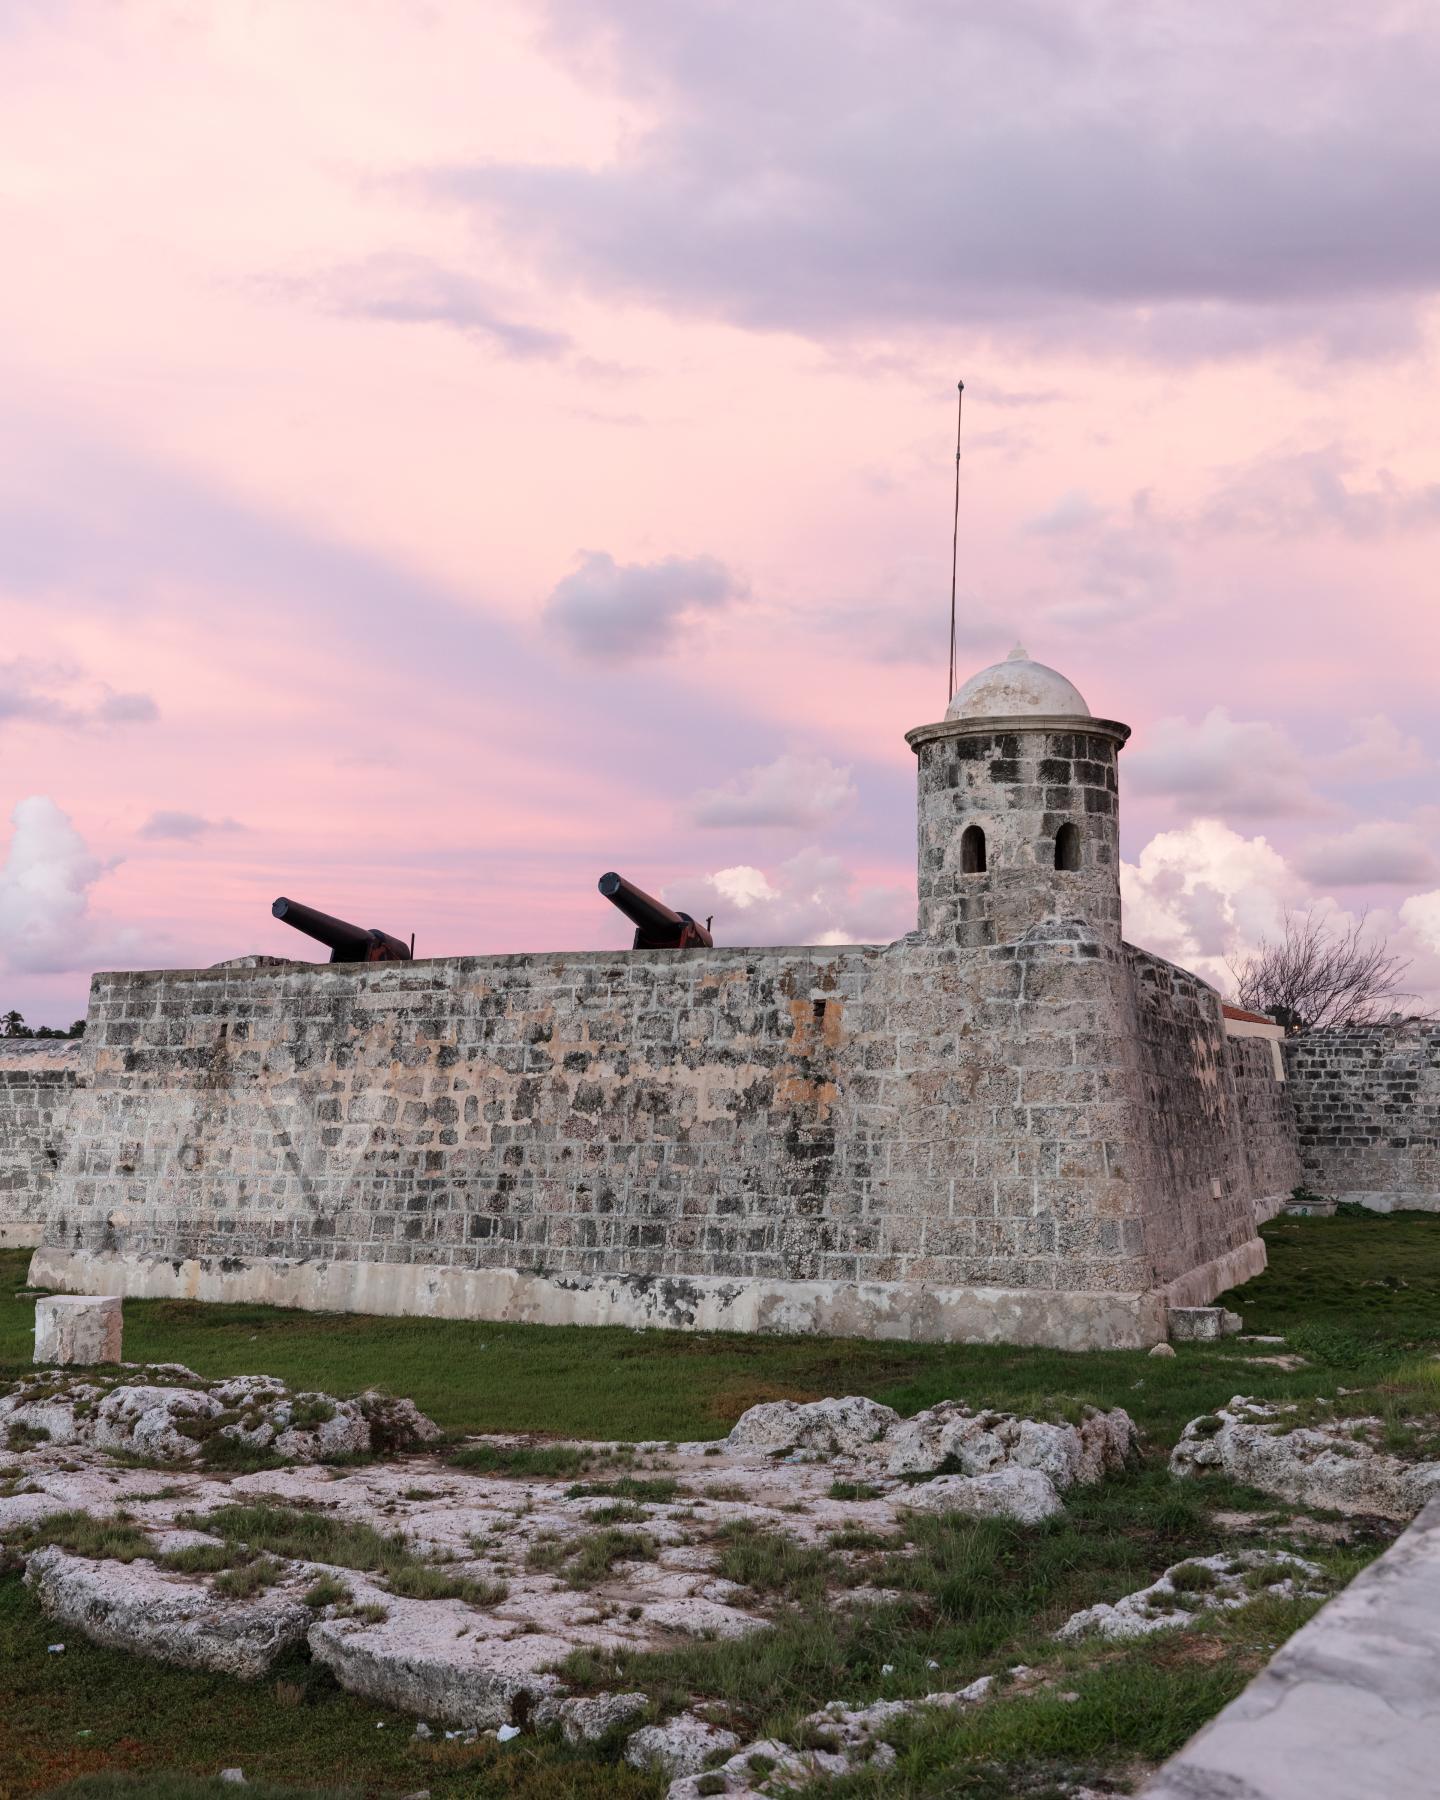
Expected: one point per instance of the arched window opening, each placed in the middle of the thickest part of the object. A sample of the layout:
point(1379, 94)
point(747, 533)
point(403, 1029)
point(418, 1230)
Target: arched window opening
point(972, 851)
point(1067, 847)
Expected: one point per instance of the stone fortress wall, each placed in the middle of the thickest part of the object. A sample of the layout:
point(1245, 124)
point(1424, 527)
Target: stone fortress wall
point(1367, 1104)
point(37, 1081)
point(1009, 1125)
point(910, 1140)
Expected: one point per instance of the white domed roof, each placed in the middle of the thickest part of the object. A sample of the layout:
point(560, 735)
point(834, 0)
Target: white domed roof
point(1017, 686)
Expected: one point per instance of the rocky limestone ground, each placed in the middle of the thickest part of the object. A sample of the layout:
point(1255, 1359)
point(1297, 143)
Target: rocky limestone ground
point(1328, 1462)
point(169, 1414)
point(222, 1525)
point(1200, 1584)
point(456, 1593)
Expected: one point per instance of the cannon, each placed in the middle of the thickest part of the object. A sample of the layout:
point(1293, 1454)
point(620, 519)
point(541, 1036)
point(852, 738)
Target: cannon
point(657, 926)
point(347, 943)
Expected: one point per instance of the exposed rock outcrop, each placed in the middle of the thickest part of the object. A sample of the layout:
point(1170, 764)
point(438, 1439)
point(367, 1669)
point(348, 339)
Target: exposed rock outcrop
point(136, 1607)
point(1187, 1590)
point(1026, 1495)
point(167, 1413)
point(683, 1745)
point(848, 1427)
point(1333, 1463)
point(952, 1437)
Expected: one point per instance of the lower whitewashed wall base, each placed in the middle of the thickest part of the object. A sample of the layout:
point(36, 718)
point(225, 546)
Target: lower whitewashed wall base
point(1067, 1320)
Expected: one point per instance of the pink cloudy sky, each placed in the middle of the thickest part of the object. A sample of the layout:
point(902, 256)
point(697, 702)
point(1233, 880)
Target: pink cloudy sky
point(449, 450)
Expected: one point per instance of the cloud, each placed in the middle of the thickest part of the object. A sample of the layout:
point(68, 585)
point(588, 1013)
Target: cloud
point(1207, 897)
point(1254, 768)
point(1248, 769)
point(1181, 181)
point(412, 290)
point(811, 899)
point(1371, 854)
point(623, 611)
point(1296, 495)
point(1204, 894)
point(184, 825)
point(1380, 751)
point(1071, 512)
point(28, 692)
point(793, 790)
point(127, 709)
point(45, 886)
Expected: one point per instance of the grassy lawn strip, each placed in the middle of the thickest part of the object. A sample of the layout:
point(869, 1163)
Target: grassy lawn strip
point(1350, 1289)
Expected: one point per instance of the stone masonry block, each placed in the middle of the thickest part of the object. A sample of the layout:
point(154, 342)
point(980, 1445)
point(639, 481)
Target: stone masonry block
point(72, 1328)
point(1202, 1324)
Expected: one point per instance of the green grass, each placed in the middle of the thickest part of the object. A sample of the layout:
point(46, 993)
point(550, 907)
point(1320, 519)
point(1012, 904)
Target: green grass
point(1359, 1297)
point(82, 1535)
point(187, 1787)
point(1357, 1284)
point(651, 1490)
point(101, 1715)
point(581, 1562)
point(312, 1536)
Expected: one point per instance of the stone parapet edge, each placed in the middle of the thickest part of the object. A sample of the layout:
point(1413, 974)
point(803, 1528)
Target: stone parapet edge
point(1349, 1707)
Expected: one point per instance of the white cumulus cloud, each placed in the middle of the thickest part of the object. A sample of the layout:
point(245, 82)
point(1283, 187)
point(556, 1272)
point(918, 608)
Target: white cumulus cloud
point(45, 890)
point(793, 790)
point(1203, 895)
point(813, 898)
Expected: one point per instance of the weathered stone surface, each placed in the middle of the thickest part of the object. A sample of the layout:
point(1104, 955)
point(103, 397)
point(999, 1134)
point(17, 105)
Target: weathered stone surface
point(1160, 1606)
point(1349, 1706)
point(37, 1079)
point(848, 1427)
point(953, 1436)
point(136, 1607)
point(148, 1421)
point(589, 1720)
point(74, 1328)
point(852, 1736)
point(1332, 1464)
point(1202, 1324)
point(681, 1746)
point(169, 1412)
point(1367, 1104)
point(1026, 1495)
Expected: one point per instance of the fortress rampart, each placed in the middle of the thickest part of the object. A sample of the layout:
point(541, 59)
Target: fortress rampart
point(37, 1078)
point(1007, 1126)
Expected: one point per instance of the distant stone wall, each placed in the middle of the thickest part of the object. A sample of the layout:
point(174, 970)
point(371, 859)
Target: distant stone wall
point(1367, 1105)
point(1268, 1131)
point(37, 1077)
point(912, 1141)
point(1195, 1165)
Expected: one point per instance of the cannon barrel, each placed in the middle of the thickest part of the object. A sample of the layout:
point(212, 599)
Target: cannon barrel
point(657, 926)
point(346, 942)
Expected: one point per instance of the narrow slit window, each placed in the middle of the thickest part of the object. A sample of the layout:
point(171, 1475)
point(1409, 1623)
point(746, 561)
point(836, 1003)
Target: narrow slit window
point(972, 851)
point(1067, 847)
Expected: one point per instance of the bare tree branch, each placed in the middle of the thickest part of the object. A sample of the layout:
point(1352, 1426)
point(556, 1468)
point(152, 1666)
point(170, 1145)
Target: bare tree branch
point(1322, 976)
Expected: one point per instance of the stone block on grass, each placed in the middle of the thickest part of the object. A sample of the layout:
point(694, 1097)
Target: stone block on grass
point(77, 1328)
point(1202, 1324)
